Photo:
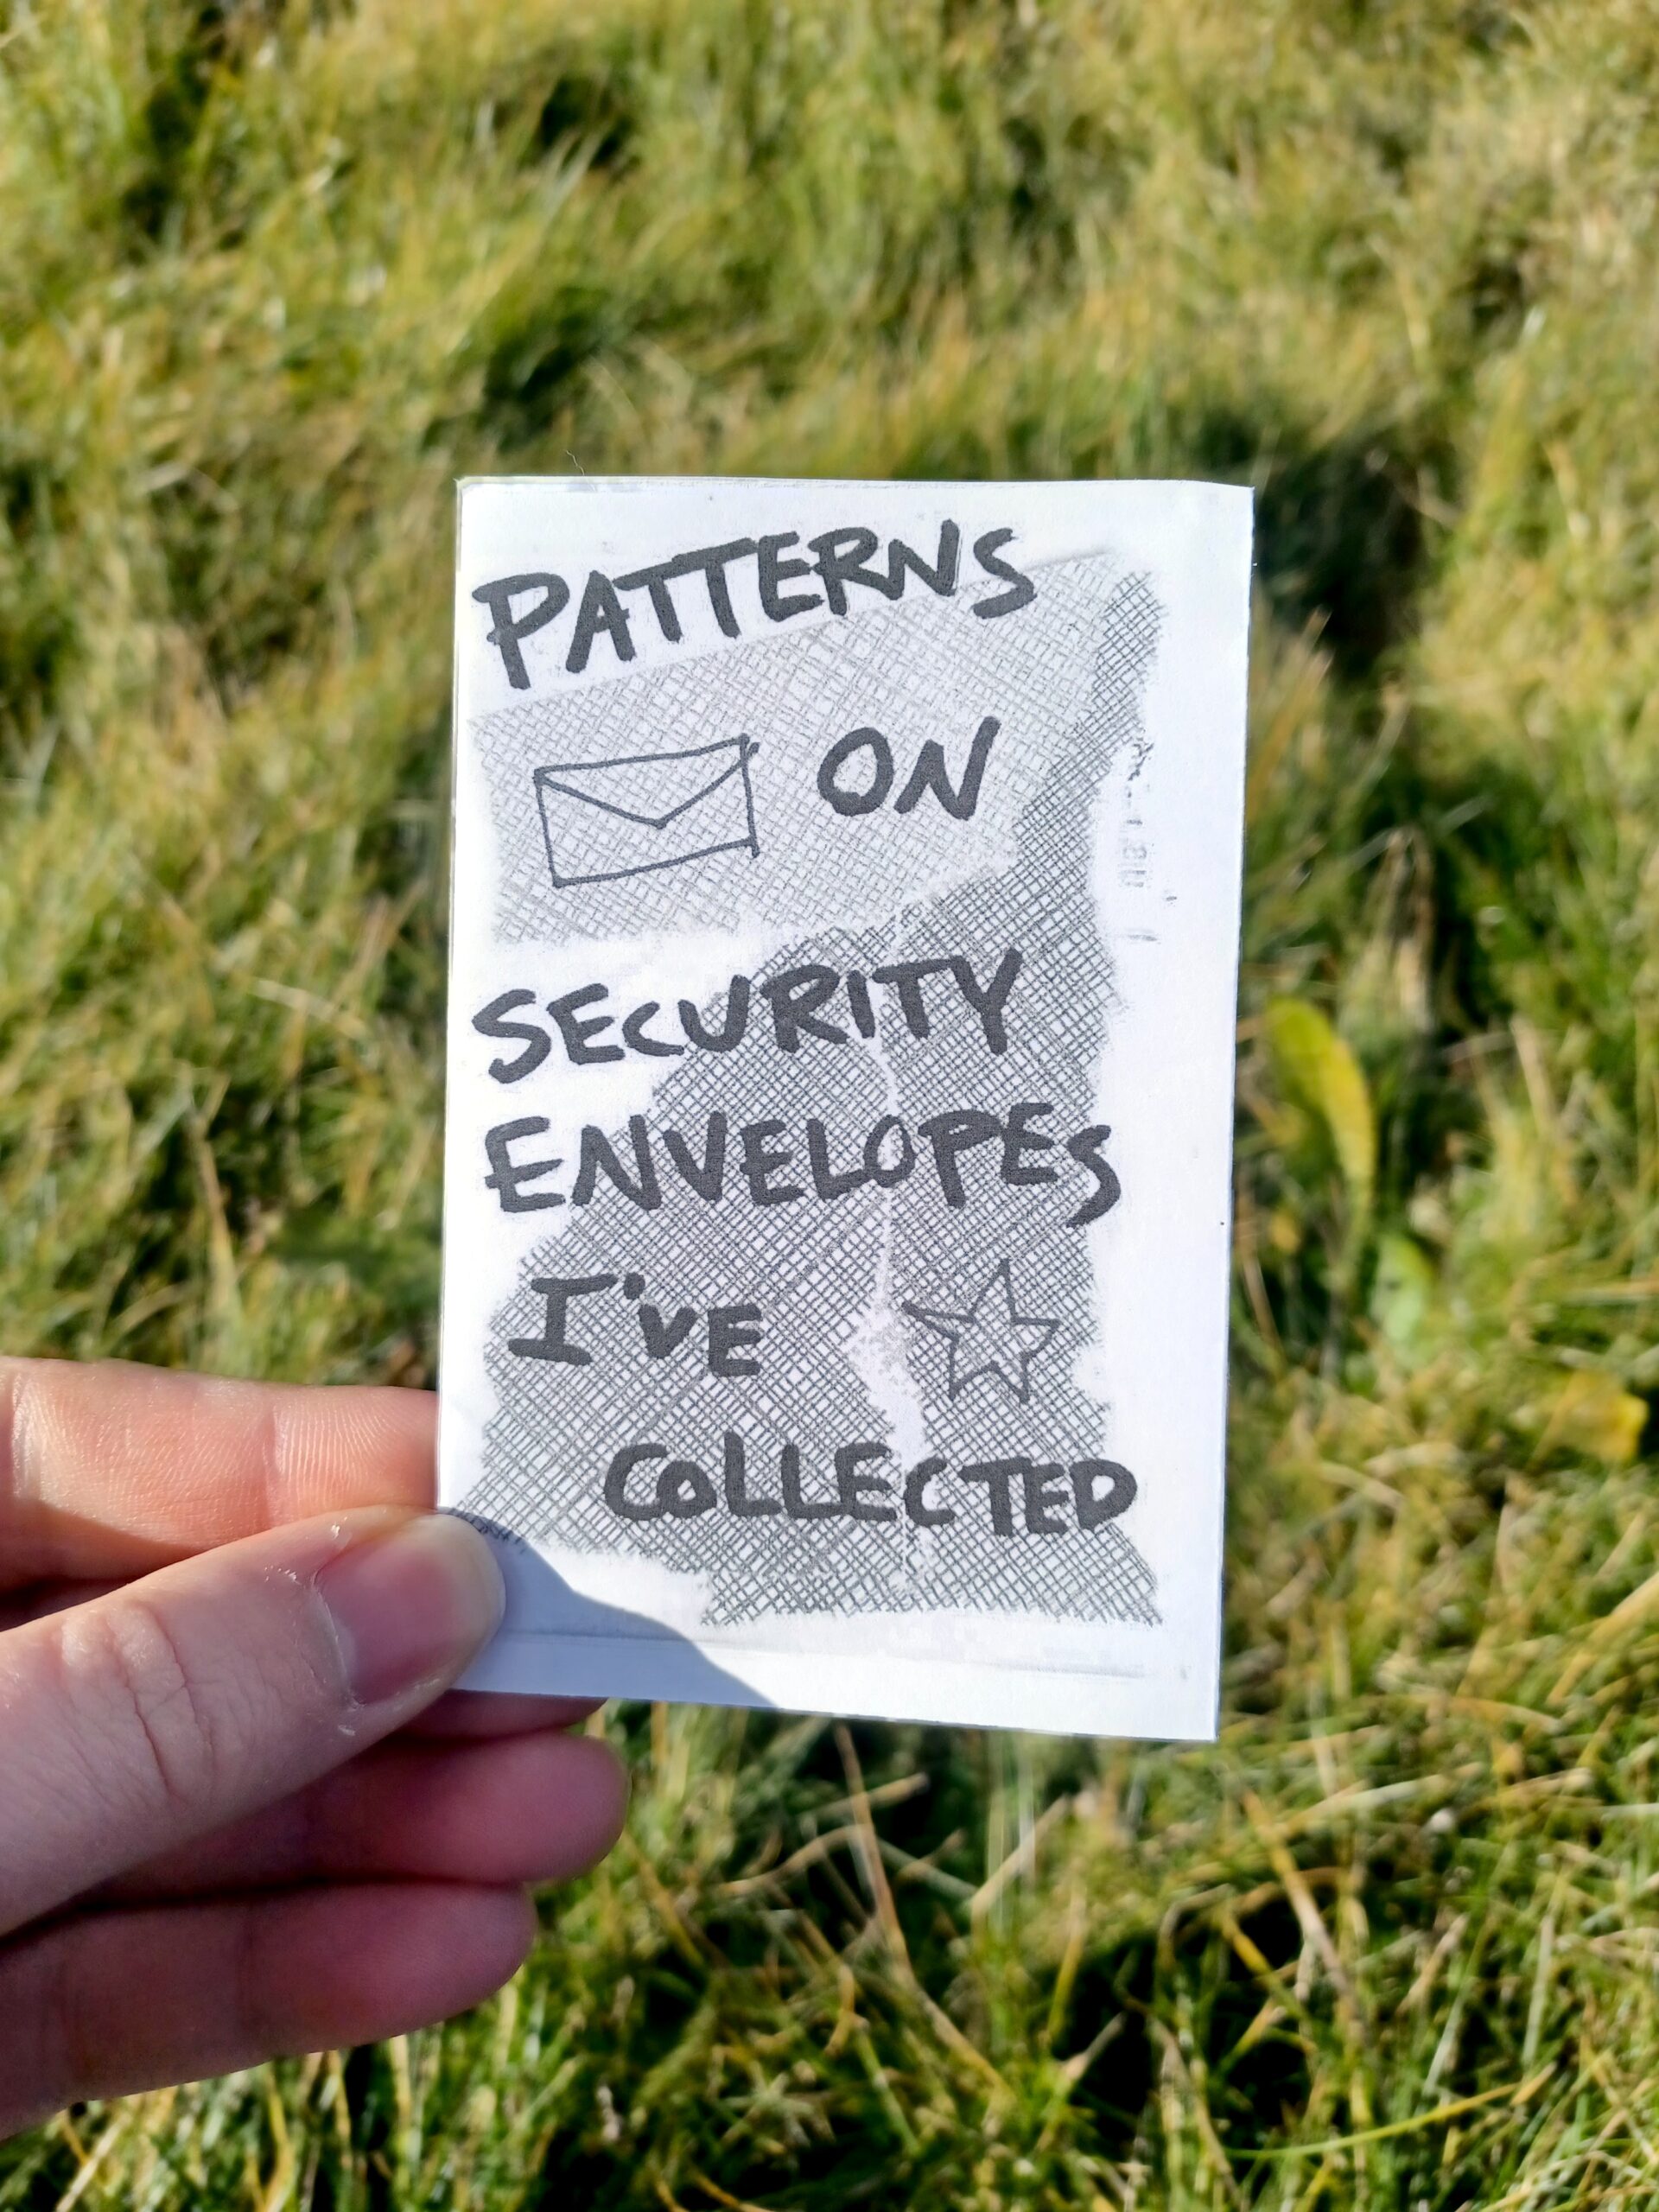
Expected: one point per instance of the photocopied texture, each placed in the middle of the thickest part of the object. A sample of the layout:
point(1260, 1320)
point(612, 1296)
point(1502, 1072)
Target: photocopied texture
point(844, 940)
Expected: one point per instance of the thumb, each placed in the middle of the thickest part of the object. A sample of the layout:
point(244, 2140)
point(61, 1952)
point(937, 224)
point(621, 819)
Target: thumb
point(143, 1719)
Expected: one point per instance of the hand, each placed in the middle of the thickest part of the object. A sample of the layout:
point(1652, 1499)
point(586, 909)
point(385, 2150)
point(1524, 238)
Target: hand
point(238, 1817)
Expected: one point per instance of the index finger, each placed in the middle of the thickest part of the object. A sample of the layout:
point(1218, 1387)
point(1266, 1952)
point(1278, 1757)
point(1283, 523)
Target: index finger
point(108, 1470)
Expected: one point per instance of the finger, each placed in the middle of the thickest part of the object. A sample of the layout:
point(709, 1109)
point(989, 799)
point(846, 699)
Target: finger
point(111, 2003)
point(458, 1713)
point(530, 1808)
point(109, 1469)
point(179, 1704)
point(501, 1713)
point(40, 1599)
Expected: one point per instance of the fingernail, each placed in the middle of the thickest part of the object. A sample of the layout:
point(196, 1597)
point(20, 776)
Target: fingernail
point(413, 1604)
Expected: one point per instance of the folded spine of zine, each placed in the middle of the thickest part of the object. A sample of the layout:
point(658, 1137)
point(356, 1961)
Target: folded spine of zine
point(844, 950)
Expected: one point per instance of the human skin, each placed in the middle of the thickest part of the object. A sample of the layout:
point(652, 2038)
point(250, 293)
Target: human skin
point(243, 1813)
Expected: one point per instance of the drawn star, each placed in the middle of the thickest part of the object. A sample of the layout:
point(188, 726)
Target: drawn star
point(992, 1337)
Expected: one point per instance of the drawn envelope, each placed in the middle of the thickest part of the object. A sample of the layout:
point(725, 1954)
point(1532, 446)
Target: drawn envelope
point(641, 812)
point(958, 1454)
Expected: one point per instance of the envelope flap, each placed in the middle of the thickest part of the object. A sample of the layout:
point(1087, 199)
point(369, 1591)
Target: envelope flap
point(649, 787)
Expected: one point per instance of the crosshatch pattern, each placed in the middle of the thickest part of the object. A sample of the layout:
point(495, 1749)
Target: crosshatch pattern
point(832, 1274)
point(606, 820)
point(923, 668)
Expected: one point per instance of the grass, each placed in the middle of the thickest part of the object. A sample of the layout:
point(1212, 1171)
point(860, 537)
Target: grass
point(271, 278)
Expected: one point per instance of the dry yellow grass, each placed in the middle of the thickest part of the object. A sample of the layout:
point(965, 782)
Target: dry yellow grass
point(271, 278)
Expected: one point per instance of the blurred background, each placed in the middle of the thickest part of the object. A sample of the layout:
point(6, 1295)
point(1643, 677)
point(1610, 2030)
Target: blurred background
point(271, 276)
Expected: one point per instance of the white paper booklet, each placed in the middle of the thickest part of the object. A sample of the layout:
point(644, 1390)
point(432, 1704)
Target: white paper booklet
point(845, 933)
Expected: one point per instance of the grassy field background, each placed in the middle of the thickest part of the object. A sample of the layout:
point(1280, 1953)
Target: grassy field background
point(271, 278)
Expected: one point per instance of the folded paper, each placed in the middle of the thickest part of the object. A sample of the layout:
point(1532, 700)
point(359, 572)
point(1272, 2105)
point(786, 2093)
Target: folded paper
point(843, 955)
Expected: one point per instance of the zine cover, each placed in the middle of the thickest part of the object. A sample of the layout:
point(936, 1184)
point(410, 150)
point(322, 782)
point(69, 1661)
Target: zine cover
point(844, 946)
